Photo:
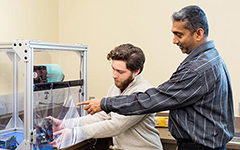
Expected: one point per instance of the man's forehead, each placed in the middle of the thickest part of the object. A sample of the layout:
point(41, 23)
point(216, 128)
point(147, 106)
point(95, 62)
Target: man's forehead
point(119, 64)
point(178, 27)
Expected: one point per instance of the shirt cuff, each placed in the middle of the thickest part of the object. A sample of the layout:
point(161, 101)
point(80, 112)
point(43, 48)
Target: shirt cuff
point(78, 135)
point(105, 104)
point(71, 123)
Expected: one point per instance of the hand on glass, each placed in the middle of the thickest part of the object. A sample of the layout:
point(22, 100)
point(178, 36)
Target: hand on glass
point(92, 106)
point(56, 124)
point(64, 138)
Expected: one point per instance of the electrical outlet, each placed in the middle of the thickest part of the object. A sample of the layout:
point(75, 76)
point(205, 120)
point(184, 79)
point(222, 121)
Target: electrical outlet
point(239, 108)
point(91, 97)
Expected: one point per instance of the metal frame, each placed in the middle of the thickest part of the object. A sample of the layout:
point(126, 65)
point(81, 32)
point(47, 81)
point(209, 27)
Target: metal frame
point(24, 50)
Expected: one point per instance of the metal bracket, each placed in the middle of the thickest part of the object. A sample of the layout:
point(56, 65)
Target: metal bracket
point(33, 137)
point(25, 145)
point(11, 56)
point(21, 47)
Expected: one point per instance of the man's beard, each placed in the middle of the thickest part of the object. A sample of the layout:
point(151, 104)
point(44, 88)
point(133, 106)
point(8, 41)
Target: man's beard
point(183, 49)
point(124, 83)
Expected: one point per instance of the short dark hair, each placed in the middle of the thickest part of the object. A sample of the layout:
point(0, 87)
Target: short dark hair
point(132, 55)
point(194, 18)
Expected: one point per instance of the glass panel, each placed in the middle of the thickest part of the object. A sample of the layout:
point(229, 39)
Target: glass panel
point(11, 126)
point(53, 70)
point(54, 74)
point(6, 70)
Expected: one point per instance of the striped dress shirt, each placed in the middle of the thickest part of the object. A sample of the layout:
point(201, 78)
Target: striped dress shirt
point(198, 95)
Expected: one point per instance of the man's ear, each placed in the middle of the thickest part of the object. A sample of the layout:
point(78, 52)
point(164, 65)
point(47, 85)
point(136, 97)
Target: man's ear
point(136, 73)
point(199, 34)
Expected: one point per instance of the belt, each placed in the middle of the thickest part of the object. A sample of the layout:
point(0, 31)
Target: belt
point(189, 144)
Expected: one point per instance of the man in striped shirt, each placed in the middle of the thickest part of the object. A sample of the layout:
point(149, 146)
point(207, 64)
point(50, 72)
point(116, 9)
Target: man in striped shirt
point(198, 94)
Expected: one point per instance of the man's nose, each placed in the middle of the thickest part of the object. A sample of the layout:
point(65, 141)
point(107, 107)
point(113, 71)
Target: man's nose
point(115, 75)
point(175, 40)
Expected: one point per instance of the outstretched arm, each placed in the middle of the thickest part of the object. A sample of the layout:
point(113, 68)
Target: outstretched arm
point(92, 106)
point(181, 90)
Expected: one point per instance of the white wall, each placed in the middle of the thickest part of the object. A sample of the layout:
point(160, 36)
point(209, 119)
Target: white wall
point(145, 23)
point(29, 19)
point(25, 19)
point(104, 24)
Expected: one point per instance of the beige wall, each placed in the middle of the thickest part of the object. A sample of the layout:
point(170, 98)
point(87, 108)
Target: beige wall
point(25, 19)
point(29, 19)
point(105, 24)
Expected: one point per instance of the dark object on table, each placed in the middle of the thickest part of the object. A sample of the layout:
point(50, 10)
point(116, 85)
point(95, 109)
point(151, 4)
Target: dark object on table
point(9, 143)
point(44, 132)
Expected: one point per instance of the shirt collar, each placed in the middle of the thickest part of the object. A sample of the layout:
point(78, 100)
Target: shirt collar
point(201, 48)
point(130, 83)
point(126, 86)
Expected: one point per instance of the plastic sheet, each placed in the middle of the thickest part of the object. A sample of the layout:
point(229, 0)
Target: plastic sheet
point(65, 136)
point(52, 103)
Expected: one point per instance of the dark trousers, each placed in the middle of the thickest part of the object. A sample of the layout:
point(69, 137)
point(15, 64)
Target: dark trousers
point(189, 145)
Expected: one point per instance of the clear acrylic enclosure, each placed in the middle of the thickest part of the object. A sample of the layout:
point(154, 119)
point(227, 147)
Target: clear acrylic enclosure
point(39, 80)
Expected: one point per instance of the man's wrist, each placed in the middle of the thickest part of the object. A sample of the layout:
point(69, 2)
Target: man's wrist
point(103, 104)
